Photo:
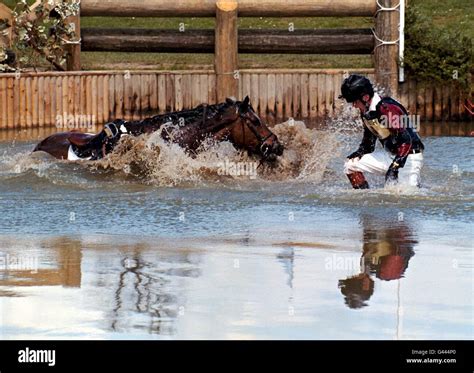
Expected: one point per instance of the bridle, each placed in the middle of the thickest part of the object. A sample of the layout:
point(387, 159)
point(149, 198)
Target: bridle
point(260, 138)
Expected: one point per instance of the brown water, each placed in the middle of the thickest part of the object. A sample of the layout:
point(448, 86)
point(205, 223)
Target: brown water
point(155, 244)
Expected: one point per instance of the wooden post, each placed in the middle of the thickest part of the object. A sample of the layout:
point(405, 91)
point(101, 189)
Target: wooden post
point(386, 55)
point(226, 52)
point(74, 50)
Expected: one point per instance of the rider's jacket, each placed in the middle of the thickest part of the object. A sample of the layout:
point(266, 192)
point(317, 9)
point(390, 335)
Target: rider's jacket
point(388, 121)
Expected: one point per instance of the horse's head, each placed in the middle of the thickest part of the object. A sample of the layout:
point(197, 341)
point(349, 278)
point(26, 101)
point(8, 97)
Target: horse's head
point(249, 132)
point(101, 144)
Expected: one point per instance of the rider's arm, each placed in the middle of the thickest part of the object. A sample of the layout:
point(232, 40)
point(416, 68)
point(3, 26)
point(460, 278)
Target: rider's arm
point(399, 136)
point(366, 146)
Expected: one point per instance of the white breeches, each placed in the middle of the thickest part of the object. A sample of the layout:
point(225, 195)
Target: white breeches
point(380, 160)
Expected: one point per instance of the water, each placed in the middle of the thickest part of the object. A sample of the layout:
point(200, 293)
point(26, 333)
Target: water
point(154, 244)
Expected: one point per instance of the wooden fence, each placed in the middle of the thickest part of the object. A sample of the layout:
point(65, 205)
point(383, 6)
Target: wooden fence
point(75, 99)
point(225, 41)
point(43, 99)
point(228, 41)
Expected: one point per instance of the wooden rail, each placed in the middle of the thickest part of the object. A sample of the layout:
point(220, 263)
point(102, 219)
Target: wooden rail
point(323, 41)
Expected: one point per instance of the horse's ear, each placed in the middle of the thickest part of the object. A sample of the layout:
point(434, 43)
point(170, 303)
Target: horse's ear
point(244, 106)
point(231, 100)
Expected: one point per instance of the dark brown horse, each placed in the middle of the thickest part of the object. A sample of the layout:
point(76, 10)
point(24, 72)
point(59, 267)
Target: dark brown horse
point(232, 120)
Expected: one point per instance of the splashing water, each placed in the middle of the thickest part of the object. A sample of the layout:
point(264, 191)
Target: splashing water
point(17, 164)
point(150, 158)
point(311, 157)
point(307, 151)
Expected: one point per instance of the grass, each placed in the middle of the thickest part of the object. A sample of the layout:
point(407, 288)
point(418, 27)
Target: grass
point(209, 23)
point(184, 61)
point(450, 14)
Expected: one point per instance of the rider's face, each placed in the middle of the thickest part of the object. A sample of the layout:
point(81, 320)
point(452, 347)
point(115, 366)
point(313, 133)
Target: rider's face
point(359, 104)
point(362, 103)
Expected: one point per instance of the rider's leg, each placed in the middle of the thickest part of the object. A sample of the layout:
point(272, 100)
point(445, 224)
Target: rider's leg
point(377, 162)
point(410, 173)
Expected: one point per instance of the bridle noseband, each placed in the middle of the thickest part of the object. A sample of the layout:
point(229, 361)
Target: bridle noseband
point(260, 138)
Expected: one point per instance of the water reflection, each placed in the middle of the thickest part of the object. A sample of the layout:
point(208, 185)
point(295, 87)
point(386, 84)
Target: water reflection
point(148, 295)
point(287, 258)
point(387, 249)
point(23, 269)
point(134, 286)
point(148, 290)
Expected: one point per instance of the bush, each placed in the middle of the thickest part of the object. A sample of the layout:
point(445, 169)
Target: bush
point(39, 35)
point(434, 54)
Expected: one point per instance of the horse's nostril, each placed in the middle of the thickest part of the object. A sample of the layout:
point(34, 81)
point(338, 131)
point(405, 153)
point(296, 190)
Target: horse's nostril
point(271, 151)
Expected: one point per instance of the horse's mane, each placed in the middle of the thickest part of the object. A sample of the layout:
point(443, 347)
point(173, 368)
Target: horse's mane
point(197, 116)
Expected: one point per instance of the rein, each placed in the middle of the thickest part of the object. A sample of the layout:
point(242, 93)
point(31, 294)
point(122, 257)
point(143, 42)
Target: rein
point(261, 139)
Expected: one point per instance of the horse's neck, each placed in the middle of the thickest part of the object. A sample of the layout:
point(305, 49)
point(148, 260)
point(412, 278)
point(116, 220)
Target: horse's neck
point(201, 119)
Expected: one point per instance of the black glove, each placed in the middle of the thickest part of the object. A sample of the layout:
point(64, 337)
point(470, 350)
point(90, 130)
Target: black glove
point(356, 154)
point(392, 174)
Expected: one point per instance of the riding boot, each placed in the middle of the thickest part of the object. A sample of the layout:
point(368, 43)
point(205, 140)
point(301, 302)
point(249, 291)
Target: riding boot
point(358, 180)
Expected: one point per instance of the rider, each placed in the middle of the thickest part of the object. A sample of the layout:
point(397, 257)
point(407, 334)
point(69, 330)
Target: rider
point(386, 252)
point(387, 120)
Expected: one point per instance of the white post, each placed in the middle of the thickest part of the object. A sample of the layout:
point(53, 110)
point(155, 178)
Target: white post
point(401, 43)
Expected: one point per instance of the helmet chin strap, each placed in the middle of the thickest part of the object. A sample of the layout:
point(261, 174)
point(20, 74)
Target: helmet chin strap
point(367, 104)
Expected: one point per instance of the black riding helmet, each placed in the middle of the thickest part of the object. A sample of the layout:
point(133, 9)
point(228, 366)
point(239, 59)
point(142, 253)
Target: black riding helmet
point(355, 86)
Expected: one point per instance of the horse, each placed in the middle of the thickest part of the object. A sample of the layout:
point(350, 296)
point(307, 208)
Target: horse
point(232, 120)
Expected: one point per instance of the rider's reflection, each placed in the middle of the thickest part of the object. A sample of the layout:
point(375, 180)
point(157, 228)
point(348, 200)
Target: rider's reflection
point(387, 249)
